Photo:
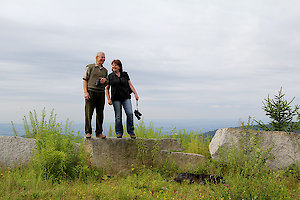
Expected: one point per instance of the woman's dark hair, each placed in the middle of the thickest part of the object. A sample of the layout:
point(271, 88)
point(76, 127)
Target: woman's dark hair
point(118, 62)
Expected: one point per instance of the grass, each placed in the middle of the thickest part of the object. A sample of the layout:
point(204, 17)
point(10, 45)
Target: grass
point(244, 170)
point(24, 184)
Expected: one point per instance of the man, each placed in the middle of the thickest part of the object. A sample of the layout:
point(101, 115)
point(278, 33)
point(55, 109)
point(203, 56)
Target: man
point(94, 81)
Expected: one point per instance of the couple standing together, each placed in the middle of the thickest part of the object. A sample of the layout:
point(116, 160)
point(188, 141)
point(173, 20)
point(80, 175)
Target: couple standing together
point(96, 84)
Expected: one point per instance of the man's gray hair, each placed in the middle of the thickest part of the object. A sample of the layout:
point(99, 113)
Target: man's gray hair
point(100, 53)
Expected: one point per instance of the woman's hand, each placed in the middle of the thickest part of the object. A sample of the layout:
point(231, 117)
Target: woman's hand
point(136, 96)
point(110, 102)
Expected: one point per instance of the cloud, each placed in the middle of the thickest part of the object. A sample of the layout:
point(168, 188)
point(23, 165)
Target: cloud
point(187, 59)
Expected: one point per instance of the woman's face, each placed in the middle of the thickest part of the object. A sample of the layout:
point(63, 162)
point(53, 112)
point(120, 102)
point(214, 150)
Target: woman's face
point(115, 67)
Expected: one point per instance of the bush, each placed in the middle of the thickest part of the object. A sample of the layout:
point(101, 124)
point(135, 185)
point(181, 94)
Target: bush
point(59, 153)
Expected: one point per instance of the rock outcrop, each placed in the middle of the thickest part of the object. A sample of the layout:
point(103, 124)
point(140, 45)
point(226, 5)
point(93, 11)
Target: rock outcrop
point(187, 161)
point(15, 151)
point(113, 155)
point(285, 146)
point(118, 156)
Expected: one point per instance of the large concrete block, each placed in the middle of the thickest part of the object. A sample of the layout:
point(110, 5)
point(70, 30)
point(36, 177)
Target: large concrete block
point(119, 155)
point(115, 156)
point(185, 161)
point(15, 150)
point(285, 146)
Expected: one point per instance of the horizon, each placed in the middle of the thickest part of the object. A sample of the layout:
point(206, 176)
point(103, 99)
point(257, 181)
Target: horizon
point(166, 126)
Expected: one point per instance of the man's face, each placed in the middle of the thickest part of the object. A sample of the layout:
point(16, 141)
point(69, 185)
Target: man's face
point(100, 59)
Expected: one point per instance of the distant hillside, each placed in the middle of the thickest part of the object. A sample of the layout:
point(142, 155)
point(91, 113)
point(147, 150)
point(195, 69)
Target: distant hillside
point(210, 133)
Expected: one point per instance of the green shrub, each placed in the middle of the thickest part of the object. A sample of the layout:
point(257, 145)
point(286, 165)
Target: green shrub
point(60, 153)
point(53, 162)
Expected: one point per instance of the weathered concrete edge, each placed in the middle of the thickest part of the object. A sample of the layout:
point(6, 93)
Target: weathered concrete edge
point(184, 161)
point(271, 138)
point(16, 151)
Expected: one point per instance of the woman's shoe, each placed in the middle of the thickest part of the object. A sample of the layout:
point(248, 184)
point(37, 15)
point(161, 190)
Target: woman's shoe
point(133, 136)
point(119, 136)
point(88, 136)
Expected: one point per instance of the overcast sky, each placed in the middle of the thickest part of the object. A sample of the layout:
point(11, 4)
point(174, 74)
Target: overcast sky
point(191, 59)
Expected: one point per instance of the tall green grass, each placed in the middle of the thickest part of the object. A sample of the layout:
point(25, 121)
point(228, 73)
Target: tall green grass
point(60, 153)
point(60, 170)
point(246, 171)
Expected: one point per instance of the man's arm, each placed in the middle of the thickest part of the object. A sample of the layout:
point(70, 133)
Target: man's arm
point(86, 94)
point(85, 78)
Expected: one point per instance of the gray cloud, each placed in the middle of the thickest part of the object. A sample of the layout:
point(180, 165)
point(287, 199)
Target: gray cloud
point(192, 59)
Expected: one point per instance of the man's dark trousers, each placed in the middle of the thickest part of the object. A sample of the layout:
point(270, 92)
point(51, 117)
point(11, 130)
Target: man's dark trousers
point(97, 100)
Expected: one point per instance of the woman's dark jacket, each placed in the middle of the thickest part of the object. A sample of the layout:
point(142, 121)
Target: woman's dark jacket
point(120, 89)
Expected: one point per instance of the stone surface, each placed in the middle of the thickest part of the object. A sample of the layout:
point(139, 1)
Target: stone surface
point(115, 156)
point(119, 155)
point(285, 146)
point(15, 150)
point(185, 161)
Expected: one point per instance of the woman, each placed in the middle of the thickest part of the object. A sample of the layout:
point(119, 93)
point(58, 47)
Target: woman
point(121, 88)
